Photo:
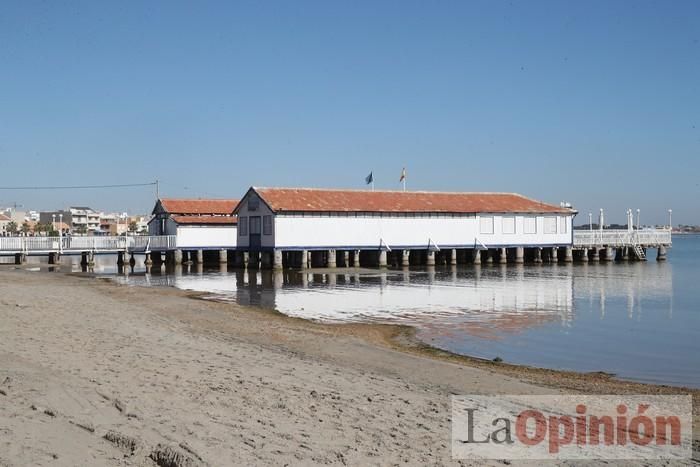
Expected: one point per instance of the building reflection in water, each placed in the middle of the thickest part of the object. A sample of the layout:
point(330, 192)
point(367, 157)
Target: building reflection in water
point(482, 301)
point(635, 283)
point(473, 300)
point(510, 296)
point(428, 294)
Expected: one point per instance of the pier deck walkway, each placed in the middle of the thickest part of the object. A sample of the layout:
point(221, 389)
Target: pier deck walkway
point(620, 244)
point(67, 245)
point(139, 244)
point(611, 243)
point(646, 238)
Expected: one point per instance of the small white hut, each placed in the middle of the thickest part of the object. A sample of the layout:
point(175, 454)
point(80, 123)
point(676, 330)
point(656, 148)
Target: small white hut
point(200, 224)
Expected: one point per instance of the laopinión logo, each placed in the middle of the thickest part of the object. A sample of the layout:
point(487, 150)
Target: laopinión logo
point(572, 427)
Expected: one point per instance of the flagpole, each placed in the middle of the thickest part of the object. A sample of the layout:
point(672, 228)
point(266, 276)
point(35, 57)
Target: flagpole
point(404, 184)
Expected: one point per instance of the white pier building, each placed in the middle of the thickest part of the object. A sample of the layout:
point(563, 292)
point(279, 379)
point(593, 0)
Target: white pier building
point(326, 227)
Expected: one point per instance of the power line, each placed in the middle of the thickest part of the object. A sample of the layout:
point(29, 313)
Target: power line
point(78, 187)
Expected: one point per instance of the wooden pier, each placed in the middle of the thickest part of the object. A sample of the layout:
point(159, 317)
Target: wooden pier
point(588, 245)
point(74, 244)
point(611, 245)
point(87, 247)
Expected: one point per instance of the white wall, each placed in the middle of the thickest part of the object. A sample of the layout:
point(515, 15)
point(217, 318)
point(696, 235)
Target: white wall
point(312, 232)
point(206, 236)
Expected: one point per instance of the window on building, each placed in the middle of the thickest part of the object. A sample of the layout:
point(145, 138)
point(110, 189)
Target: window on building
point(253, 203)
point(550, 225)
point(242, 226)
point(255, 225)
point(530, 225)
point(509, 225)
point(564, 222)
point(267, 225)
point(486, 225)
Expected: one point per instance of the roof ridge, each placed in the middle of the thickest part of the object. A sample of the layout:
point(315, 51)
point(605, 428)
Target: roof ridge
point(331, 199)
point(359, 190)
point(197, 199)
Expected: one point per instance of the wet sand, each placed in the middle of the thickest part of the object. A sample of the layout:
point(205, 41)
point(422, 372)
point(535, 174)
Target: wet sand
point(92, 373)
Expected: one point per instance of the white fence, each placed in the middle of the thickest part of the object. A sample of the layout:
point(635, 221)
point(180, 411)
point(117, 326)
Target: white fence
point(621, 238)
point(95, 244)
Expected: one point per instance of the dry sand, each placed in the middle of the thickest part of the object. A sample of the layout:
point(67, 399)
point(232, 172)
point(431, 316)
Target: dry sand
point(92, 373)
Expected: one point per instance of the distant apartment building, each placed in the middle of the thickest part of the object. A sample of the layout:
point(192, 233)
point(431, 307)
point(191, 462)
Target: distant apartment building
point(81, 220)
point(139, 224)
point(18, 217)
point(5, 221)
point(114, 224)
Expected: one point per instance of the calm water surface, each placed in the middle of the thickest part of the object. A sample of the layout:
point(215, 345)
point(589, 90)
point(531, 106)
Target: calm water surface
point(639, 321)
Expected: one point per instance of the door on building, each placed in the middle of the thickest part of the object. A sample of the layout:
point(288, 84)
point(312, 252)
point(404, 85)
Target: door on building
point(254, 232)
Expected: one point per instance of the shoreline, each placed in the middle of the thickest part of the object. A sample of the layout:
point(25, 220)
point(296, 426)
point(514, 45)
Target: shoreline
point(94, 372)
point(403, 338)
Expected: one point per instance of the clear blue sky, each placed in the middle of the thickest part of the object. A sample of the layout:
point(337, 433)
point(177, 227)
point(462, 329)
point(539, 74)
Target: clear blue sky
point(596, 103)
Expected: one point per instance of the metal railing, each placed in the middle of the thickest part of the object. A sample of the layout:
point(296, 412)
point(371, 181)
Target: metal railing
point(97, 244)
point(160, 242)
point(621, 238)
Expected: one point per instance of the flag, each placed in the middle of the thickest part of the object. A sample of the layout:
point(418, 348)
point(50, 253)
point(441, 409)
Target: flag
point(403, 175)
point(369, 179)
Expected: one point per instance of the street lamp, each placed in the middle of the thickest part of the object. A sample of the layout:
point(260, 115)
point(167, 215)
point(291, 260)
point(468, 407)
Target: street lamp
point(638, 215)
point(630, 222)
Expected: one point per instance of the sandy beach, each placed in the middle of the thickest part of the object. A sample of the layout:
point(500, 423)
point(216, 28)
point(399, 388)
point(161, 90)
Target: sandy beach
point(93, 373)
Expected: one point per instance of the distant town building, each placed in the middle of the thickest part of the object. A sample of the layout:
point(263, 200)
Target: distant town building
point(18, 217)
point(139, 224)
point(113, 224)
point(198, 223)
point(82, 220)
point(5, 221)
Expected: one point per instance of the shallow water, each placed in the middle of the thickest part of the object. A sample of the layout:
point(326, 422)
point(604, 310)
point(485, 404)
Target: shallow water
point(637, 320)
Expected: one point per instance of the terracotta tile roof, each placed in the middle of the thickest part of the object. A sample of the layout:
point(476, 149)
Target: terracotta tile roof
point(219, 220)
point(3, 217)
point(199, 206)
point(322, 200)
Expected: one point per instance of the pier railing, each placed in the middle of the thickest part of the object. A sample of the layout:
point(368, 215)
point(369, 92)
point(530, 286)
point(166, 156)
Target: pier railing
point(96, 244)
point(621, 238)
point(582, 239)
